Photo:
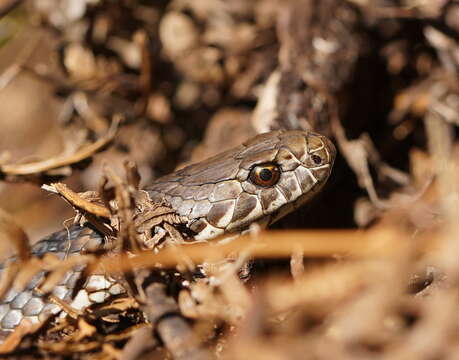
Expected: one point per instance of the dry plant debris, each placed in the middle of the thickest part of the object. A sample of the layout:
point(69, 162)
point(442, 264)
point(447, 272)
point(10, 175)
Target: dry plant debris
point(367, 271)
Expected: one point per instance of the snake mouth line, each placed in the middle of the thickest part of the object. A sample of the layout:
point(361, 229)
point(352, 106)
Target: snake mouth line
point(298, 203)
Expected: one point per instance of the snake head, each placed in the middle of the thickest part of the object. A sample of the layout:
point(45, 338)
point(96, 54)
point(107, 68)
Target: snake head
point(260, 181)
point(304, 161)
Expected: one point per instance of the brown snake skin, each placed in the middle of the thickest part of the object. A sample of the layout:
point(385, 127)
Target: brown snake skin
point(216, 196)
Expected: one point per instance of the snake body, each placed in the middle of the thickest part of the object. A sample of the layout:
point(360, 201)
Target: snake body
point(259, 181)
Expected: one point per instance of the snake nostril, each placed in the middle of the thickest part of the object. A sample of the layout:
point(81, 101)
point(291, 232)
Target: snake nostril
point(317, 159)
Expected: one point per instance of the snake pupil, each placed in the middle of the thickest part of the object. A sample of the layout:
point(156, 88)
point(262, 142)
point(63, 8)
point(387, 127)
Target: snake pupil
point(266, 174)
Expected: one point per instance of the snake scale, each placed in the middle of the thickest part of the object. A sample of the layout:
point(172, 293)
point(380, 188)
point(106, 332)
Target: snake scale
point(259, 182)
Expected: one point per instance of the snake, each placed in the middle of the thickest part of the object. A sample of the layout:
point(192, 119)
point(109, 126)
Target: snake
point(258, 182)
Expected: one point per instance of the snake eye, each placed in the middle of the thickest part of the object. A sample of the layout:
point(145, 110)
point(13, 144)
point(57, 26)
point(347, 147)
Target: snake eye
point(317, 159)
point(264, 175)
